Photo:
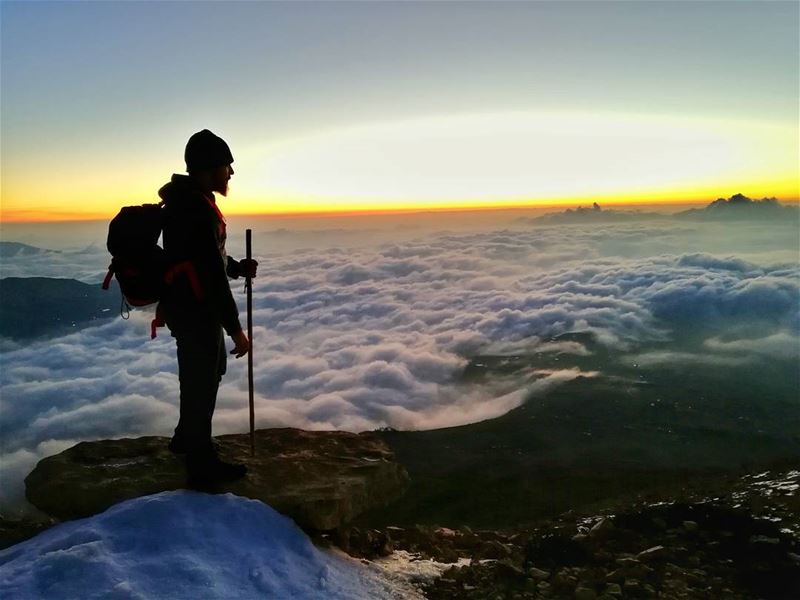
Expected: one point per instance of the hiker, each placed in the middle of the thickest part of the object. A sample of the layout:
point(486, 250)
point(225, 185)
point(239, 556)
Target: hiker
point(197, 304)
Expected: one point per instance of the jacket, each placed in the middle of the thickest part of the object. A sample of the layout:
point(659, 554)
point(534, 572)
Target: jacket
point(198, 266)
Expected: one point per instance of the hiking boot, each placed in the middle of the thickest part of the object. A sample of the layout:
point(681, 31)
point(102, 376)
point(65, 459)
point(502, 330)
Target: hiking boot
point(207, 469)
point(178, 445)
point(228, 471)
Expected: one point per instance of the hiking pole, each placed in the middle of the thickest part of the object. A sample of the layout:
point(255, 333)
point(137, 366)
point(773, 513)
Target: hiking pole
point(249, 288)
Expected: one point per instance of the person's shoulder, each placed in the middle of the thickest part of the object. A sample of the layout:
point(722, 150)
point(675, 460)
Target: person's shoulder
point(181, 191)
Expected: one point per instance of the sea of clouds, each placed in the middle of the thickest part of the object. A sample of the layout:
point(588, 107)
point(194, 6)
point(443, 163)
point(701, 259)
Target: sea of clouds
point(379, 335)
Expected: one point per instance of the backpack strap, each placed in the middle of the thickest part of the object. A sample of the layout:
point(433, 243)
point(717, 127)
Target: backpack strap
point(187, 268)
point(109, 275)
point(221, 225)
point(157, 322)
point(216, 209)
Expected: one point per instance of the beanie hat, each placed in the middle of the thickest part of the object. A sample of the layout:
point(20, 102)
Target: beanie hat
point(204, 150)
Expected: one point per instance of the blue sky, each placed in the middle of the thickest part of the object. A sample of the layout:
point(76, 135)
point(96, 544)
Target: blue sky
point(117, 87)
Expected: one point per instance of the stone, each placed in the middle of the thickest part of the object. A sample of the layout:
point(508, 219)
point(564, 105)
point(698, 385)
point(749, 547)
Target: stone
point(613, 589)
point(445, 532)
point(591, 577)
point(655, 553)
point(617, 575)
point(565, 580)
point(359, 543)
point(495, 549)
point(508, 569)
point(693, 579)
point(446, 555)
point(321, 479)
point(690, 526)
point(584, 593)
point(601, 529)
point(632, 586)
point(673, 584)
point(763, 539)
point(538, 574)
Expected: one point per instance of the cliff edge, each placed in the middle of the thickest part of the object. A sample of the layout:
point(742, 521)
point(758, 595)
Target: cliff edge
point(321, 479)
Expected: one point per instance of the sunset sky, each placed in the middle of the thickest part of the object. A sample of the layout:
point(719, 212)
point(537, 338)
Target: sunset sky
point(372, 106)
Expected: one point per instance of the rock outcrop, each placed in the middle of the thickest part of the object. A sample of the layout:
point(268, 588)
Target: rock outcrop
point(321, 479)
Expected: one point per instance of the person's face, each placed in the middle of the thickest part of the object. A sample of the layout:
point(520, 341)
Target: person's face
point(219, 179)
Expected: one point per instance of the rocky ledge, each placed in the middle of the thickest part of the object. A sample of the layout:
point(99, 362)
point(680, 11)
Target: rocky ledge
point(321, 479)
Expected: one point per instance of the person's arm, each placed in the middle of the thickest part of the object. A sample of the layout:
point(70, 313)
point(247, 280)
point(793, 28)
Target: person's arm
point(213, 276)
point(241, 268)
point(242, 344)
point(233, 268)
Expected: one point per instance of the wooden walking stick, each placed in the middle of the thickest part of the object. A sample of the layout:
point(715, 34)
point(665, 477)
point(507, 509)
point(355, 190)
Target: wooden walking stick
point(249, 288)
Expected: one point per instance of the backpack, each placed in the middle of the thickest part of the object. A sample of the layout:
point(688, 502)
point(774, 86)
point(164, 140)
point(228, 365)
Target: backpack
point(138, 262)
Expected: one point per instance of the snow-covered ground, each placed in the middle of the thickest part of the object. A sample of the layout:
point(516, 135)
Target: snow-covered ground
point(191, 545)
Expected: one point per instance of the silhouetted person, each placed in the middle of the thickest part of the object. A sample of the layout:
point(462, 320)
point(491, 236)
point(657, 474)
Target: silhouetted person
point(198, 304)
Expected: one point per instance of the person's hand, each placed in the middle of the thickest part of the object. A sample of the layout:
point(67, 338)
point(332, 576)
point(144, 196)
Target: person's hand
point(248, 267)
point(242, 346)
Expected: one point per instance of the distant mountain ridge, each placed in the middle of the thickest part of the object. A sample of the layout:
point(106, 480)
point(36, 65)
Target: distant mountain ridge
point(595, 214)
point(14, 249)
point(736, 208)
point(740, 208)
point(31, 307)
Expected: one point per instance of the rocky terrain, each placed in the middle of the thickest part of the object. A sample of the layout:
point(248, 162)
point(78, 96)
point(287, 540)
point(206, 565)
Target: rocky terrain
point(321, 479)
point(728, 536)
point(743, 541)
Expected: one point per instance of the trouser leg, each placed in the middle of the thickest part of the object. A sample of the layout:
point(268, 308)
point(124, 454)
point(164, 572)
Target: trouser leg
point(201, 364)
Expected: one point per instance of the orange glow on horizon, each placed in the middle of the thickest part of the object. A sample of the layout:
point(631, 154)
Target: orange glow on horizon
point(231, 207)
point(482, 161)
point(51, 216)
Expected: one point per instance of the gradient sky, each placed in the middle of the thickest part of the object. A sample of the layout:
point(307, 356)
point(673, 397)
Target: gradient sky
point(352, 105)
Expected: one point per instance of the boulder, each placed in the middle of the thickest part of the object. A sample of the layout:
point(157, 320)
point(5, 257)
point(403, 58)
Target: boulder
point(584, 593)
point(321, 479)
point(602, 529)
point(538, 574)
point(654, 554)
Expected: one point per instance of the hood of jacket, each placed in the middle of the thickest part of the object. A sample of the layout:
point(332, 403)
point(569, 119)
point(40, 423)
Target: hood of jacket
point(183, 190)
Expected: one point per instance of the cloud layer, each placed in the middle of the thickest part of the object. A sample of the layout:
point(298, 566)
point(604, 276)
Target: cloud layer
point(379, 336)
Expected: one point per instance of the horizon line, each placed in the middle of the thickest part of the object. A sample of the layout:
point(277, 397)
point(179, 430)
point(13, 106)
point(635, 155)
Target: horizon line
point(94, 217)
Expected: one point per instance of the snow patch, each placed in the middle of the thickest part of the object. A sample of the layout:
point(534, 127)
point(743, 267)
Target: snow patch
point(185, 544)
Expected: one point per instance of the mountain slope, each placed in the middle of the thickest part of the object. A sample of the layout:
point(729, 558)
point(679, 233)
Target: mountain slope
point(38, 306)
